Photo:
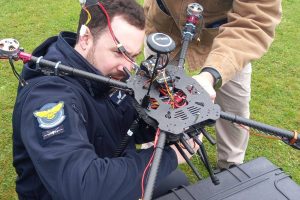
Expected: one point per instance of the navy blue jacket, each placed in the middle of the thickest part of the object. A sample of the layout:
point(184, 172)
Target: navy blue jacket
point(66, 129)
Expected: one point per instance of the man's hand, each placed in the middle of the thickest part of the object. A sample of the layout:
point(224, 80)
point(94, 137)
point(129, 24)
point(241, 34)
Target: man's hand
point(206, 80)
point(194, 146)
point(179, 156)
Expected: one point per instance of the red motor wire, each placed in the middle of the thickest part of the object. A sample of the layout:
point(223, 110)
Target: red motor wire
point(151, 160)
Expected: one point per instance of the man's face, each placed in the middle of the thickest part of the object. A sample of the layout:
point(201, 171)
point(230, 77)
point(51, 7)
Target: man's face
point(104, 55)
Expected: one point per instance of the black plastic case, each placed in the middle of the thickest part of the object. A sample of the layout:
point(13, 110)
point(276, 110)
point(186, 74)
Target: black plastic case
point(258, 179)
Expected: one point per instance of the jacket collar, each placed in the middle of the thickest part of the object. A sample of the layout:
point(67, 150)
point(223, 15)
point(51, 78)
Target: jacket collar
point(65, 44)
point(61, 48)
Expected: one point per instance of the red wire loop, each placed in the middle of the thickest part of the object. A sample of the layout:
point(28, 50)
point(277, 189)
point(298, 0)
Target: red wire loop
point(115, 39)
point(294, 139)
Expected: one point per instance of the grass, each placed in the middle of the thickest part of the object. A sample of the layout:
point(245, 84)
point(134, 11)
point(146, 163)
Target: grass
point(275, 82)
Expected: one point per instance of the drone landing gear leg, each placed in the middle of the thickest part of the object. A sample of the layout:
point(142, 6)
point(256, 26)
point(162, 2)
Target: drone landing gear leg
point(202, 153)
point(188, 161)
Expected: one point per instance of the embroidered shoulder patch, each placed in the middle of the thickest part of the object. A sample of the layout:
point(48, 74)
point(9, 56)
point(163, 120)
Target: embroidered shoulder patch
point(118, 96)
point(50, 115)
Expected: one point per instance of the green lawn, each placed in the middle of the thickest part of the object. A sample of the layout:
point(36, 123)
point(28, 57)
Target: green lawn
point(275, 82)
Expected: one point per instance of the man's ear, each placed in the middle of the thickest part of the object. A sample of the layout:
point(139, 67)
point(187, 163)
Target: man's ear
point(85, 38)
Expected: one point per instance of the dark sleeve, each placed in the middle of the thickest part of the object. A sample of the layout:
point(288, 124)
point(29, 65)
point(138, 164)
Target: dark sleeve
point(143, 132)
point(66, 161)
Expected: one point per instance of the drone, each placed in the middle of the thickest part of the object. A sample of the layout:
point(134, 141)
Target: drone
point(164, 97)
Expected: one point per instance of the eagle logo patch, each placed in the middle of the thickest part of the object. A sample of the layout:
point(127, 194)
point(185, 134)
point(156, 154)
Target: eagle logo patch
point(50, 115)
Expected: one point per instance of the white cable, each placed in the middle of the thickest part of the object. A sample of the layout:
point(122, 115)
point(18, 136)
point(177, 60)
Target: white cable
point(82, 2)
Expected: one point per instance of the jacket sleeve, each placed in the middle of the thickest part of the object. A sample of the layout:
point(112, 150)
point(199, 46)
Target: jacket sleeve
point(247, 35)
point(66, 161)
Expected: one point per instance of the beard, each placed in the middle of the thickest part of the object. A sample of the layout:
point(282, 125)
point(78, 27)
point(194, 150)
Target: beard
point(91, 56)
point(118, 75)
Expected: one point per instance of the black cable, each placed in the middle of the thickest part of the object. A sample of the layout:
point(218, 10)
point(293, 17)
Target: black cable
point(146, 98)
point(16, 74)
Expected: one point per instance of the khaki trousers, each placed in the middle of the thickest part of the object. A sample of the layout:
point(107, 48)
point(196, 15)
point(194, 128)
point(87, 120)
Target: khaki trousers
point(232, 139)
point(233, 97)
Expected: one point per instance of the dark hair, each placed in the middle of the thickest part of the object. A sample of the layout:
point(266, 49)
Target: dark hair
point(129, 9)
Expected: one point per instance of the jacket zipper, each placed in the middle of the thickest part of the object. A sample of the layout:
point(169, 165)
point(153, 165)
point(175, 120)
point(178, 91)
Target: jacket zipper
point(79, 113)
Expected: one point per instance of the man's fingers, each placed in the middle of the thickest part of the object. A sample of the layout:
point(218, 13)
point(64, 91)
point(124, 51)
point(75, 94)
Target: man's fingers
point(205, 80)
